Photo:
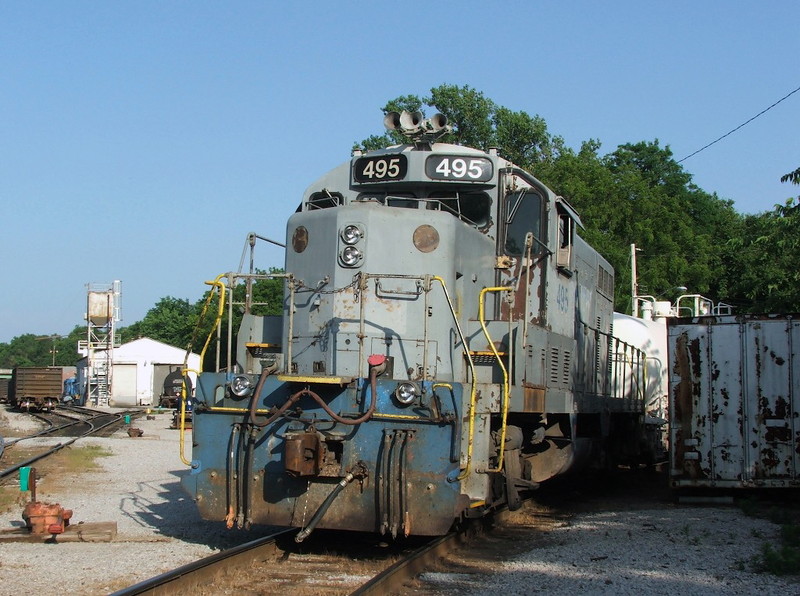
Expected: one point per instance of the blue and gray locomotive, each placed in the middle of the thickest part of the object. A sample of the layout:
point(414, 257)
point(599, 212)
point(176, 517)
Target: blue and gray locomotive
point(445, 345)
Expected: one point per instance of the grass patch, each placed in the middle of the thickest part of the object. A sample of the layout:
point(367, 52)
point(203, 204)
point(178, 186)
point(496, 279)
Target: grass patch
point(782, 558)
point(11, 498)
point(68, 462)
point(80, 459)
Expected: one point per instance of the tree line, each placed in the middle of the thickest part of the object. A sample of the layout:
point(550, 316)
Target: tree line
point(637, 194)
point(174, 321)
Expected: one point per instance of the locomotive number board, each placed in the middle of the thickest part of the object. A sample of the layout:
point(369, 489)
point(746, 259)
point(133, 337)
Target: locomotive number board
point(459, 167)
point(380, 168)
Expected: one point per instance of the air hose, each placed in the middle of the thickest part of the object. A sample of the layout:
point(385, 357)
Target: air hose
point(304, 533)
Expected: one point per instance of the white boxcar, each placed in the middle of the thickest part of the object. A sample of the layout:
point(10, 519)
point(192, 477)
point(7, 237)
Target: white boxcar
point(734, 401)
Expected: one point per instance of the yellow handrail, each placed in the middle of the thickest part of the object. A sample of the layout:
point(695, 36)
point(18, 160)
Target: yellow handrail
point(473, 389)
point(220, 311)
point(182, 434)
point(481, 317)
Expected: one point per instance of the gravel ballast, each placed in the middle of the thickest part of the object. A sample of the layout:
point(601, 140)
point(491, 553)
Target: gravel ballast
point(705, 550)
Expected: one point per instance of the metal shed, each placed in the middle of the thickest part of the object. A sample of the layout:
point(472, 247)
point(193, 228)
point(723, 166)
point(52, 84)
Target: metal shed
point(139, 370)
point(734, 401)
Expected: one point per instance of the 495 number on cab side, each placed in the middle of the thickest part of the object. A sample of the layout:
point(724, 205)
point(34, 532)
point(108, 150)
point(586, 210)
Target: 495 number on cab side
point(380, 169)
point(457, 167)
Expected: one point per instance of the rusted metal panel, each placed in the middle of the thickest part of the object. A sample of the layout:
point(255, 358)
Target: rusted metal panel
point(734, 401)
point(37, 381)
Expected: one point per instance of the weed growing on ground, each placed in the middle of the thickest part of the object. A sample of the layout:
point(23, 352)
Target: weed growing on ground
point(782, 559)
point(83, 458)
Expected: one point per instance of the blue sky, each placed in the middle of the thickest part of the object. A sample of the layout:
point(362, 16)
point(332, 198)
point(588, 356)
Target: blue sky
point(142, 141)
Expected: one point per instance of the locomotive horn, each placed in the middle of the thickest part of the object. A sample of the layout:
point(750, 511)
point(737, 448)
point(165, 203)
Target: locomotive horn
point(391, 121)
point(411, 121)
point(438, 122)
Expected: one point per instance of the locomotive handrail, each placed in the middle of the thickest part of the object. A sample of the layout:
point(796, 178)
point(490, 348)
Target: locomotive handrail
point(473, 389)
point(216, 284)
point(637, 380)
point(362, 283)
point(249, 304)
point(182, 417)
point(482, 319)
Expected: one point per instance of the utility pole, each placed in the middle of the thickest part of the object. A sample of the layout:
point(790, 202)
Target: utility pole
point(53, 350)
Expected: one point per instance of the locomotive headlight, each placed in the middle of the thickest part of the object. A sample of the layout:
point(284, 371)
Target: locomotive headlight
point(350, 256)
point(406, 393)
point(241, 385)
point(351, 234)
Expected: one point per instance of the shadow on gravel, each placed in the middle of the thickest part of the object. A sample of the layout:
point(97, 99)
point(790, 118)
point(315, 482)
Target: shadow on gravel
point(166, 507)
point(599, 491)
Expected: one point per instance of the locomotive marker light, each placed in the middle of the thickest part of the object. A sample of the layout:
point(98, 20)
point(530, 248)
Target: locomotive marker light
point(426, 238)
point(241, 386)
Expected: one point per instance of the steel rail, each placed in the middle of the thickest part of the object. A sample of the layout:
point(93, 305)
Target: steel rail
point(393, 578)
point(201, 573)
point(59, 446)
point(91, 415)
point(42, 432)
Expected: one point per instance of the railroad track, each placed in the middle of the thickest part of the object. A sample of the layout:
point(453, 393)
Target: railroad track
point(70, 421)
point(276, 564)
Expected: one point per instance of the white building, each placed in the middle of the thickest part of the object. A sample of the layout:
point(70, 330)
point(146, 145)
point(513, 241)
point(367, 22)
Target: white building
point(139, 370)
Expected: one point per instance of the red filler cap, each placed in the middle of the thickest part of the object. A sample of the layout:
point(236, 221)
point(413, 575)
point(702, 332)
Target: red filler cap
point(376, 359)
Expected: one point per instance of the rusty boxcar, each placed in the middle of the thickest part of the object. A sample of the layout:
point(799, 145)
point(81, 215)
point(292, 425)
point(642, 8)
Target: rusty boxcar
point(734, 399)
point(36, 387)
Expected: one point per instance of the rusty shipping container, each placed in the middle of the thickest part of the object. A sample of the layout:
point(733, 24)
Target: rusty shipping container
point(734, 398)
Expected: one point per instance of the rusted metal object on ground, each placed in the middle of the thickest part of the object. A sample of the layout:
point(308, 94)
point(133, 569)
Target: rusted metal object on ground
point(135, 432)
point(44, 518)
point(734, 401)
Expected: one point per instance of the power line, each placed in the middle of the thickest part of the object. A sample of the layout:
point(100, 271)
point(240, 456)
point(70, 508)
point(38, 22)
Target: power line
point(741, 125)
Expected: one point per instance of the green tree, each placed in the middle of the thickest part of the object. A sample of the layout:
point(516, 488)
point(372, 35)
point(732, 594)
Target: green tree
point(762, 271)
point(793, 177)
point(639, 195)
point(171, 321)
point(636, 194)
point(38, 350)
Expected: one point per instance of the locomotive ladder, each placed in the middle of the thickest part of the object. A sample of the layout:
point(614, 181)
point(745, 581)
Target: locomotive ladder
point(471, 357)
point(473, 388)
point(496, 354)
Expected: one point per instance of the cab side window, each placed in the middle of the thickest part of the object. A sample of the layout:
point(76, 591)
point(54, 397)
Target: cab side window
point(523, 215)
point(566, 231)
